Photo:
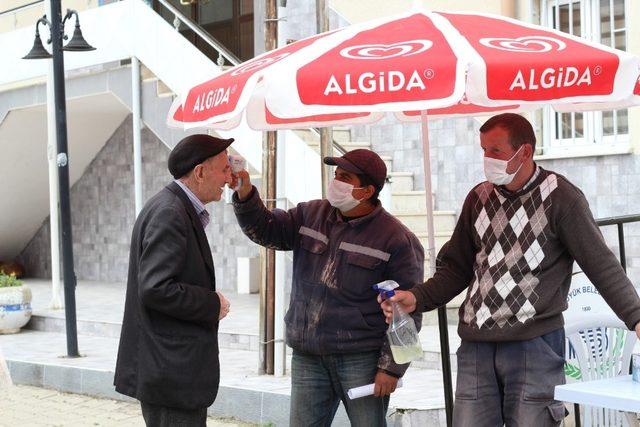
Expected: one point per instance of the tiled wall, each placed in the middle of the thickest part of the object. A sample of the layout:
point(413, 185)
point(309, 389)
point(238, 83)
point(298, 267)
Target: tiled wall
point(102, 209)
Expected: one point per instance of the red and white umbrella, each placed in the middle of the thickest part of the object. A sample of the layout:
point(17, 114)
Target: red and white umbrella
point(417, 65)
point(450, 64)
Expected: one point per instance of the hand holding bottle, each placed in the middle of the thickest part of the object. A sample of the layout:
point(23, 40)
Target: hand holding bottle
point(402, 333)
point(405, 299)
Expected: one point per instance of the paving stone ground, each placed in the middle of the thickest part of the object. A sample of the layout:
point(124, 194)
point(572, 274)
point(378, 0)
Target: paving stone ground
point(40, 407)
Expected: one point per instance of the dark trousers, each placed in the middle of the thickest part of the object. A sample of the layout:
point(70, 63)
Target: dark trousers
point(162, 416)
point(319, 383)
point(510, 383)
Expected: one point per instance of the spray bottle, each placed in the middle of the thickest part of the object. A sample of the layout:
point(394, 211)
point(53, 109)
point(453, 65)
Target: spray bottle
point(402, 333)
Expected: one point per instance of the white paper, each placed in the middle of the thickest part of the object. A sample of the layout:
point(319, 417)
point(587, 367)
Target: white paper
point(365, 390)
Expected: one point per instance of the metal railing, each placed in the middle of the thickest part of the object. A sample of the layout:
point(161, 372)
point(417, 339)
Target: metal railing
point(16, 10)
point(619, 221)
point(19, 8)
point(223, 53)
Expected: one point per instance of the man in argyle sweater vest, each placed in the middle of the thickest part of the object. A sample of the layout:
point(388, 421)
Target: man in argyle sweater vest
point(513, 249)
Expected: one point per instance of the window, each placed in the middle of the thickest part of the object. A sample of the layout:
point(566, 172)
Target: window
point(601, 21)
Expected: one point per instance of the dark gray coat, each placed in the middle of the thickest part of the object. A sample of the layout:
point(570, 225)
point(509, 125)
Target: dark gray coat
point(168, 352)
point(333, 308)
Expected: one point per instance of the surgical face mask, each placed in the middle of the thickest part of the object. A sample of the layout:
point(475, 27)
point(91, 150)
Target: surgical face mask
point(340, 197)
point(496, 170)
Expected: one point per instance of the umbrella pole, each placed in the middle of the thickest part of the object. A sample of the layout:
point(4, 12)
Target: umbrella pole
point(431, 251)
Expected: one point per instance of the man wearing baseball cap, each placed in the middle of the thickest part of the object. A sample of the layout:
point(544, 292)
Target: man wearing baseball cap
point(168, 353)
point(341, 247)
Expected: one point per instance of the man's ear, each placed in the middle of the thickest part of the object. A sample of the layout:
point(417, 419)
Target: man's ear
point(528, 151)
point(198, 173)
point(370, 190)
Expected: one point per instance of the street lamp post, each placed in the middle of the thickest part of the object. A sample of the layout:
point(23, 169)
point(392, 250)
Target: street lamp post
point(78, 44)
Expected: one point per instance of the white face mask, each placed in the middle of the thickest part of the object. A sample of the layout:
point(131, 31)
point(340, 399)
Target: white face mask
point(340, 197)
point(496, 170)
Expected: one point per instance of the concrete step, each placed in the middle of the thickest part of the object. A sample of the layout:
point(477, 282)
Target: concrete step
point(440, 239)
point(431, 351)
point(146, 74)
point(34, 358)
point(401, 181)
point(162, 90)
point(444, 221)
point(90, 331)
point(409, 201)
point(388, 160)
point(238, 340)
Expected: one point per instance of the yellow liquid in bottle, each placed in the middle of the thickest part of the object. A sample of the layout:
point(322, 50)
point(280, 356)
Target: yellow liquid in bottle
point(402, 354)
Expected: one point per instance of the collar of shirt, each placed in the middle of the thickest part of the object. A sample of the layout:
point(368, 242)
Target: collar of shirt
point(532, 179)
point(502, 189)
point(201, 210)
point(336, 216)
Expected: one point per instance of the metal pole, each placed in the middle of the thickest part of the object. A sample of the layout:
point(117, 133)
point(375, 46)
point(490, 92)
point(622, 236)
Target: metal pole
point(54, 219)
point(269, 151)
point(326, 134)
point(623, 252)
point(446, 364)
point(63, 180)
point(137, 137)
point(280, 350)
point(262, 316)
point(431, 250)
point(269, 183)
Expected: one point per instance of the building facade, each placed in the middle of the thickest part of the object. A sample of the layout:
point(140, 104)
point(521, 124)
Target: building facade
point(599, 152)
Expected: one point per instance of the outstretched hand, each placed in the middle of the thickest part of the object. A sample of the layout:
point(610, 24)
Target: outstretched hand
point(245, 188)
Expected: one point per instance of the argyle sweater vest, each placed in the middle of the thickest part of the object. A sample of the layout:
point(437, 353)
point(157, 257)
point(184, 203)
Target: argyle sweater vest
point(514, 253)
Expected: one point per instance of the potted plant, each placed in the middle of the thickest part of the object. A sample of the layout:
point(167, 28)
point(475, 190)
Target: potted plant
point(15, 304)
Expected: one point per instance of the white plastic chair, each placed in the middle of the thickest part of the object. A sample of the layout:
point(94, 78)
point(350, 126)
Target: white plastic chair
point(599, 342)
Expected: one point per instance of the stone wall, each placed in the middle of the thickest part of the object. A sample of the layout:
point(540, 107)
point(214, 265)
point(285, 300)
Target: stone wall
point(103, 213)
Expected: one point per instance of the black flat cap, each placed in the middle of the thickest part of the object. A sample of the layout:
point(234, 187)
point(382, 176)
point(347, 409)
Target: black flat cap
point(193, 150)
point(362, 162)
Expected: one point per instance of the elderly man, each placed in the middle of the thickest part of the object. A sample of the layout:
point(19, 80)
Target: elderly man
point(513, 247)
point(341, 247)
point(168, 354)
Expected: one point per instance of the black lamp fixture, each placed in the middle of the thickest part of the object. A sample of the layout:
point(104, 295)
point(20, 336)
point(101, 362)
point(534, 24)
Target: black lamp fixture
point(38, 51)
point(76, 44)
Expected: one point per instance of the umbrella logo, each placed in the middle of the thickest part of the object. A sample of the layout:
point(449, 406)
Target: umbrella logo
point(258, 64)
point(386, 51)
point(528, 44)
